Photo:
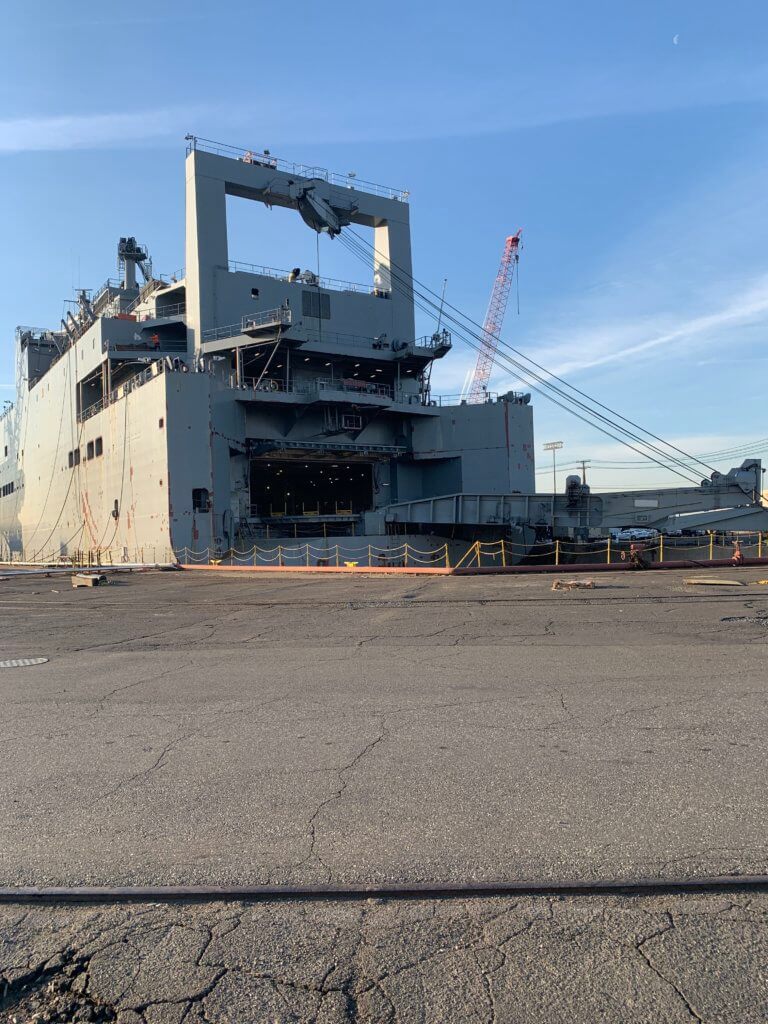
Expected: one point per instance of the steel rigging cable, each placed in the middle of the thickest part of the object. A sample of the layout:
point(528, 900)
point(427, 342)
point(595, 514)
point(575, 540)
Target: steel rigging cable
point(406, 275)
point(525, 373)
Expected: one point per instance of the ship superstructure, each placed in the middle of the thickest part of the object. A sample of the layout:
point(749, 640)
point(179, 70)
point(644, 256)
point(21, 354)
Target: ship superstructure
point(231, 401)
point(234, 399)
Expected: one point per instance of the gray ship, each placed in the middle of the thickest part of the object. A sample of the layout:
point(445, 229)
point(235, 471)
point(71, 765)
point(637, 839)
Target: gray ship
point(234, 405)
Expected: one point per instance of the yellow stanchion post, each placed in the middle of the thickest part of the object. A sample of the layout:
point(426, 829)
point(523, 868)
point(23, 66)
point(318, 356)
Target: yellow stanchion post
point(711, 546)
point(557, 552)
point(503, 553)
point(337, 556)
point(405, 554)
point(447, 559)
point(759, 545)
point(369, 556)
point(608, 550)
point(661, 547)
point(307, 546)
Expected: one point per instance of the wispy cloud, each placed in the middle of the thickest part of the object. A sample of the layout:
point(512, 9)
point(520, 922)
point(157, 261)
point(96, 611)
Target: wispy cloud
point(474, 111)
point(589, 347)
point(586, 346)
point(76, 131)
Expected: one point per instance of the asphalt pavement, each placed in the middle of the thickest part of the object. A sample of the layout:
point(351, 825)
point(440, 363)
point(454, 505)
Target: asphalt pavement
point(229, 729)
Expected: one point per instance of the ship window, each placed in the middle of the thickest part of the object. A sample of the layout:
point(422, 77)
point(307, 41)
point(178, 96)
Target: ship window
point(316, 304)
point(201, 501)
point(89, 450)
point(71, 459)
point(161, 422)
point(76, 454)
point(254, 293)
point(99, 446)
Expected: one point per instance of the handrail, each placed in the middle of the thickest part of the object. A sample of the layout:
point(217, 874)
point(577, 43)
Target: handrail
point(331, 283)
point(349, 181)
point(164, 312)
point(280, 317)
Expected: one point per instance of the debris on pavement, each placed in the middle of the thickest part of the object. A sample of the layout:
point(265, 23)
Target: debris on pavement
point(574, 585)
point(88, 579)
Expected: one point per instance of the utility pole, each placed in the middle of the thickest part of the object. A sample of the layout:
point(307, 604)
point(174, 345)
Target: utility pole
point(584, 470)
point(554, 447)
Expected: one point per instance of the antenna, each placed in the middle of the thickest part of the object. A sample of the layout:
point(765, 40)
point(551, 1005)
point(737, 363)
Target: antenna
point(442, 303)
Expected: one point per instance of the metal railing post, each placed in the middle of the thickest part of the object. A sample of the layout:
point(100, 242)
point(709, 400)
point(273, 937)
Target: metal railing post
point(661, 547)
point(503, 553)
point(447, 559)
point(557, 552)
point(608, 550)
point(711, 546)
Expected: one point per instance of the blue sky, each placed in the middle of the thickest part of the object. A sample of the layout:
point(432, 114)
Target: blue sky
point(629, 141)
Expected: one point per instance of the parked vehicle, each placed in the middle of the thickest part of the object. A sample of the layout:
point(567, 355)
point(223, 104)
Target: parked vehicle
point(633, 533)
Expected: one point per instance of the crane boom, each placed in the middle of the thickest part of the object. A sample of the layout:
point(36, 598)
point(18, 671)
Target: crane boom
point(494, 318)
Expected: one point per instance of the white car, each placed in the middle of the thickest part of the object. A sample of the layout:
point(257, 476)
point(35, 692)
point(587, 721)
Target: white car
point(634, 533)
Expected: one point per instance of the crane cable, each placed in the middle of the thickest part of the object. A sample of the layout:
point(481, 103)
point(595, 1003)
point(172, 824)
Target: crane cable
point(504, 344)
point(411, 292)
point(522, 372)
point(424, 303)
point(549, 373)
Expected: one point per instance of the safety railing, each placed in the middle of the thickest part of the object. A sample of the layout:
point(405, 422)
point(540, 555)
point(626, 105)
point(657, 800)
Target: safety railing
point(477, 554)
point(279, 317)
point(432, 341)
point(80, 558)
point(154, 369)
point(352, 386)
point(249, 156)
point(306, 278)
point(162, 312)
point(322, 556)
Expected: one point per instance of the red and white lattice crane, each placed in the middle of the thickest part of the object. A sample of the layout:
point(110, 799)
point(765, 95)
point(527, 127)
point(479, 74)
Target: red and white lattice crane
point(494, 319)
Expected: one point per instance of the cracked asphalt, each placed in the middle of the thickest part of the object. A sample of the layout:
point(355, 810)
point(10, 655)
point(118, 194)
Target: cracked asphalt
point(211, 729)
